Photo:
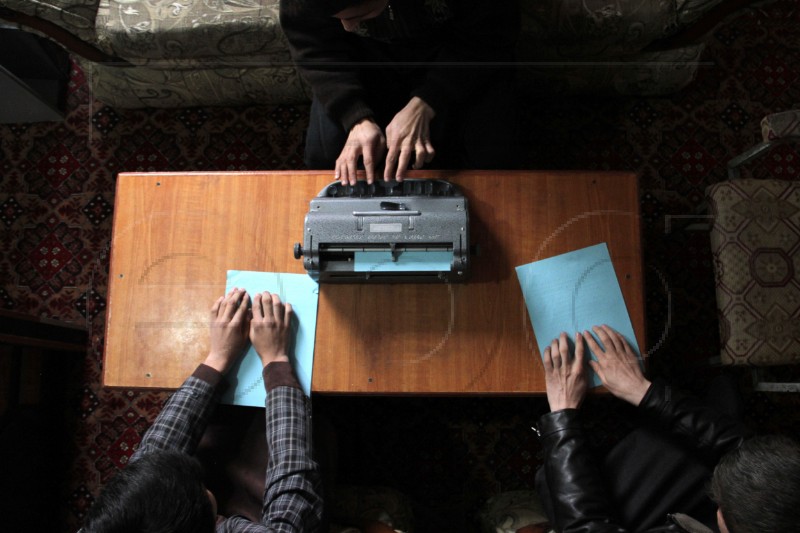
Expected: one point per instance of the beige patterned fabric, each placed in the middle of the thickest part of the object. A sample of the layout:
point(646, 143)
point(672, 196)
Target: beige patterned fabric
point(755, 240)
point(781, 125)
point(689, 11)
point(233, 52)
point(569, 30)
point(642, 74)
point(354, 505)
point(595, 46)
point(218, 32)
point(509, 512)
point(139, 87)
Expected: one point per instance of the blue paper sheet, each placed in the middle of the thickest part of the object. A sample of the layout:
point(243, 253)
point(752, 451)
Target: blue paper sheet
point(380, 261)
point(573, 292)
point(247, 384)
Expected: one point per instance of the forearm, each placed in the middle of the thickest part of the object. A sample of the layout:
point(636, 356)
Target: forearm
point(293, 495)
point(577, 490)
point(181, 423)
point(685, 416)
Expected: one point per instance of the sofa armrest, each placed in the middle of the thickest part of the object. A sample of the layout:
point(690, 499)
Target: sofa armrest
point(57, 33)
point(73, 16)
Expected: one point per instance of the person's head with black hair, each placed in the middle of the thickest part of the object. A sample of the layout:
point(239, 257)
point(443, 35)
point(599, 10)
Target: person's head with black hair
point(350, 12)
point(757, 485)
point(161, 492)
point(331, 7)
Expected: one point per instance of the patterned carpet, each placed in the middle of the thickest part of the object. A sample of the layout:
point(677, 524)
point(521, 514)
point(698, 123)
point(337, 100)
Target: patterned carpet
point(447, 454)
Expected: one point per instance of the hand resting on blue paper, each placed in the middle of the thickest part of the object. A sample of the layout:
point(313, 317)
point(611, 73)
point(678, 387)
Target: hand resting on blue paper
point(229, 323)
point(270, 327)
point(233, 325)
point(617, 367)
point(565, 374)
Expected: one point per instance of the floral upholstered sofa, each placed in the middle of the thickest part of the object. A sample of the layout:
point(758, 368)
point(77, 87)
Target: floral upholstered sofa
point(172, 53)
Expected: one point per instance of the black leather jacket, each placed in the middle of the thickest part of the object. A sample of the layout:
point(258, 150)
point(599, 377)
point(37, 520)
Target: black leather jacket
point(579, 498)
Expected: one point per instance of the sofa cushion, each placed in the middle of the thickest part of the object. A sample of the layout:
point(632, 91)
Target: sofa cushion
point(193, 33)
point(690, 11)
point(139, 87)
point(592, 29)
point(642, 74)
point(587, 30)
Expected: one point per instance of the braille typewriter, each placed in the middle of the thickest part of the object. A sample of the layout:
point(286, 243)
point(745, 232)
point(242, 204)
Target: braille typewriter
point(413, 231)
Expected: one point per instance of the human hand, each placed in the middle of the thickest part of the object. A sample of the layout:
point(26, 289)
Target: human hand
point(270, 326)
point(565, 376)
point(229, 323)
point(365, 140)
point(617, 366)
point(409, 131)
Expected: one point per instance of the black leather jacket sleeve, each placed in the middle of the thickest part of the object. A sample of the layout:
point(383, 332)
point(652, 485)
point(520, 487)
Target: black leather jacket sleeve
point(576, 487)
point(686, 417)
point(577, 490)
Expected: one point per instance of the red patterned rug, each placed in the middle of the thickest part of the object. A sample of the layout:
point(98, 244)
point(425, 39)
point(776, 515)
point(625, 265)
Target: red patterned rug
point(449, 455)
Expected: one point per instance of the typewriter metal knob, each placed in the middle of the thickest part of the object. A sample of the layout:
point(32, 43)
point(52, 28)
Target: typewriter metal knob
point(298, 250)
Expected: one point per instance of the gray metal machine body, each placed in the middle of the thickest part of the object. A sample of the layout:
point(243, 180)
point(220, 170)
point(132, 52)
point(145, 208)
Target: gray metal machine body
point(412, 215)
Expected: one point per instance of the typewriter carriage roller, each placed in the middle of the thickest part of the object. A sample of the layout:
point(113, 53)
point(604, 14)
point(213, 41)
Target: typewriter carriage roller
point(389, 218)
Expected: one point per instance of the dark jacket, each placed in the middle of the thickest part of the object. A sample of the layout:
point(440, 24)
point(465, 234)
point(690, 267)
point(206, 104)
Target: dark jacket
point(450, 48)
point(577, 490)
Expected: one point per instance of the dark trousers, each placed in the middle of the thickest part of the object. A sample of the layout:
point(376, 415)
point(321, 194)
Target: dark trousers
point(233, 452)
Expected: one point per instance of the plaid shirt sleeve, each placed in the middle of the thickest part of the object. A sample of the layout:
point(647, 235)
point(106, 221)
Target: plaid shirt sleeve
point(293, 496)
point(181, 423)
point(292, 500)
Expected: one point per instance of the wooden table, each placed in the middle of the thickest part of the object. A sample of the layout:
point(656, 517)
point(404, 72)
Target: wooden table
point(176, 234)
